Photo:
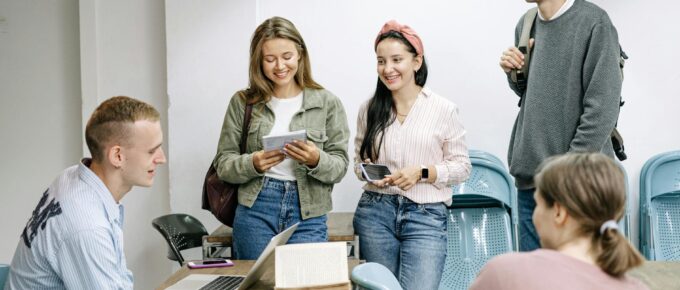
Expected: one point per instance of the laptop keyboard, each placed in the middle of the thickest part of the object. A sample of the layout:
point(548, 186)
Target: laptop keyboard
point(224, 283)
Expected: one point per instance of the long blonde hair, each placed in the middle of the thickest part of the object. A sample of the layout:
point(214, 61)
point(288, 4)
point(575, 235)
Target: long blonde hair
point(260, 88)
point(591, 186)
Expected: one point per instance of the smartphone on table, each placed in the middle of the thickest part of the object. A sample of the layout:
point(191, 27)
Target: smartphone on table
point(210, 263)
point(374, 172)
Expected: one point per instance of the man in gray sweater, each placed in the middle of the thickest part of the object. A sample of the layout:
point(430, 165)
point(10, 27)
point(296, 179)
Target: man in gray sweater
point(571, 100)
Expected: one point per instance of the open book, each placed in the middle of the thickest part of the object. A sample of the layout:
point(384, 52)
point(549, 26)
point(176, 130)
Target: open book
point(312, 266)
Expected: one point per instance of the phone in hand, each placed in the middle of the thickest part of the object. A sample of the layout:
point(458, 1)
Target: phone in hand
point(210, 263)
point(374, 172)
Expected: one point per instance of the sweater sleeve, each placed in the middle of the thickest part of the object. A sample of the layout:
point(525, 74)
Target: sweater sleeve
point(602, 90)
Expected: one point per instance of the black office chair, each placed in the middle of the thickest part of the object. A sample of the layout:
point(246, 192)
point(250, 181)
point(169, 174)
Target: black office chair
point(181, 231)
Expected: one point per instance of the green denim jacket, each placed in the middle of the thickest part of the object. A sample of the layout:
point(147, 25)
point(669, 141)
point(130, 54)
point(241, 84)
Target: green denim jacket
point(324, 118)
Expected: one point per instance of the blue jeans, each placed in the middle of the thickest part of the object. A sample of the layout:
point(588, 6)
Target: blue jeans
point(277, 207)
point(528, 238)
point(406, 237)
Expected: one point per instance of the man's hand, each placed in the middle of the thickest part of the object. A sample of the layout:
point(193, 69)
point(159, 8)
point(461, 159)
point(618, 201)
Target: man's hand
point(512, 58)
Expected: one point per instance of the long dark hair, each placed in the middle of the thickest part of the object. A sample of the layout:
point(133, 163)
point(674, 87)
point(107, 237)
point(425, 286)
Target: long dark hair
point(379, 114)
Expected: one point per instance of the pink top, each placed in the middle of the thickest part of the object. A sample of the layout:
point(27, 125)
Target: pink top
point(548, 269)
point(431, 134)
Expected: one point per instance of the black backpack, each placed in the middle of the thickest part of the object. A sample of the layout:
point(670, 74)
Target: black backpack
point(520, 76)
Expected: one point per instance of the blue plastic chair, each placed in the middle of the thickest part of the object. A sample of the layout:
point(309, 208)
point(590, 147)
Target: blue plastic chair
point(374, 276)
point(660, 207)
point(4, 271)
point(624, 223)
point(482, 221)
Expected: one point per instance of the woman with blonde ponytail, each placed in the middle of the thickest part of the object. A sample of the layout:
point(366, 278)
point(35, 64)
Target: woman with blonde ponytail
point(579, 197)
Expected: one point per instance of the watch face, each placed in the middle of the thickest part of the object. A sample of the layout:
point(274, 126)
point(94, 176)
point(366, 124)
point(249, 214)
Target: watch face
point(424, 173)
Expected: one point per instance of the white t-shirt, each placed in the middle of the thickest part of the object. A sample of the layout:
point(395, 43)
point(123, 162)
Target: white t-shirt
point(284, 109)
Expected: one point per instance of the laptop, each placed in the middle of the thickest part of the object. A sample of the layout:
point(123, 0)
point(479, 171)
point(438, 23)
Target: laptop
point(233, 282)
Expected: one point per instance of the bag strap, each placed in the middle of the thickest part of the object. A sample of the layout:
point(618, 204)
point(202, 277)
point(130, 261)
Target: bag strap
point(246, 125)
point(519, 76)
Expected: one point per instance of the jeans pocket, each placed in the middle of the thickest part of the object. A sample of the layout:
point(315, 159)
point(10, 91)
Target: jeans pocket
point(437, 210)
point(367, 198)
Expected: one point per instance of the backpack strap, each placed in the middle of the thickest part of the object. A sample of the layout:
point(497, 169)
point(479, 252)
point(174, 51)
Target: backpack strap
point(519, 76)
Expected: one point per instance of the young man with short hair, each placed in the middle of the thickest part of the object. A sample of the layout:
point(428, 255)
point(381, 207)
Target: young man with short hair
point(571, 99)
point(74, 239)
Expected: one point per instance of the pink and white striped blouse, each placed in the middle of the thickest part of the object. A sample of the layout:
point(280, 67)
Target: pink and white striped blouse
point(431, 134)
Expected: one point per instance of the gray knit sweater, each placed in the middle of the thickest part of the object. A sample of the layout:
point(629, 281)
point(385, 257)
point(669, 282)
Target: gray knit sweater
point(571, 103)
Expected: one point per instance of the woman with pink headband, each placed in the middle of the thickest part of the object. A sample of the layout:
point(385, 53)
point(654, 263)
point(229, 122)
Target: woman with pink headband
point(418, 135)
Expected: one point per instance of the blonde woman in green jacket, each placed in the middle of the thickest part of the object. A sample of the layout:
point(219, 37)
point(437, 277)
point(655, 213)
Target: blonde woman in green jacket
point(281, 187)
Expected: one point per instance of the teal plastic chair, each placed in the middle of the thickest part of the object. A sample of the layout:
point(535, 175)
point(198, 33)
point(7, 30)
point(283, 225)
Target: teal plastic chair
point(4, 271)
point(624, 223)
point(482, 221)
point(660, 207)
point(181, 231)
point(374, 276)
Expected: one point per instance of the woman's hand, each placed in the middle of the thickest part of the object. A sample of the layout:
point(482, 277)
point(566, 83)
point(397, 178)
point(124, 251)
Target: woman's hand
point(304, 152)
point(263, 161)
point(405, 178)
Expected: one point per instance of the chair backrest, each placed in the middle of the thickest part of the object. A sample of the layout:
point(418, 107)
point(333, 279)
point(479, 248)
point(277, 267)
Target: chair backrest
point(624, 223)
point(475, 235)
point(374, 276)
point(489, 185)
point(181, 231)
point(660, 207)
point(481, 222)
point(4, 271)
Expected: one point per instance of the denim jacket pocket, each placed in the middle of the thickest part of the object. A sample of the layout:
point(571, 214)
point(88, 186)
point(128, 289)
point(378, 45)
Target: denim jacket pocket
point(318, 137)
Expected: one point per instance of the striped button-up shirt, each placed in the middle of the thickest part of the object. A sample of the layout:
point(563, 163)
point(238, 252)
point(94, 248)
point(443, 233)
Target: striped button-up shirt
point(431, 134)
point(74, 238)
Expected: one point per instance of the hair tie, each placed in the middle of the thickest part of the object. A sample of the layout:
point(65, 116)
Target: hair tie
point(610, 224)
point(409, 34)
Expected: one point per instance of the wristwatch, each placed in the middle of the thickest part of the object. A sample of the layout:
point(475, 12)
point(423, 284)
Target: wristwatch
point(424, 172)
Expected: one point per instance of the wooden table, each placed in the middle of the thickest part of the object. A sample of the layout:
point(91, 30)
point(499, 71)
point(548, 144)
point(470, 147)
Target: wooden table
point(659, 275)
point(241, 267)
point(340, 229)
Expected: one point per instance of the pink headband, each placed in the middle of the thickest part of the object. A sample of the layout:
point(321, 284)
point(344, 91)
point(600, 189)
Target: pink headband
point(408, 33)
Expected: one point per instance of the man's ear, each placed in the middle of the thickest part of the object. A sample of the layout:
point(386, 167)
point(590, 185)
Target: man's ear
point(560, 215)
point(115, 156)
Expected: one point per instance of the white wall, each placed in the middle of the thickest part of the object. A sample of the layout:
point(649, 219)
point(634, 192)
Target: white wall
point(463, 42)
point(59, 59)
point(39, 106)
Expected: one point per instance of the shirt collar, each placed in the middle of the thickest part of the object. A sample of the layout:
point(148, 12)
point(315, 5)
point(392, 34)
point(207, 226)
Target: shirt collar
point(426, 92)
point(114, 211)
point(559, 12)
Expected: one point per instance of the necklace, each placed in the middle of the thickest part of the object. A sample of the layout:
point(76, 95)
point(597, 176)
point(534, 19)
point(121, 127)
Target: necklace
point(402, 115)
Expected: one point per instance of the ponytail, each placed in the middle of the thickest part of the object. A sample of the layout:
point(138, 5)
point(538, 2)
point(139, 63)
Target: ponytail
point(591, 186)
point(615, 254)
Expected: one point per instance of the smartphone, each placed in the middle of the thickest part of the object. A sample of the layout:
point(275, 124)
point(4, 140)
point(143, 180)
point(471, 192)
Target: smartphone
point(374, 172)
point(210, 263)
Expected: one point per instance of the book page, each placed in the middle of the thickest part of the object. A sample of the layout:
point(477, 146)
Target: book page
point(312, 264)
point(272, 142)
